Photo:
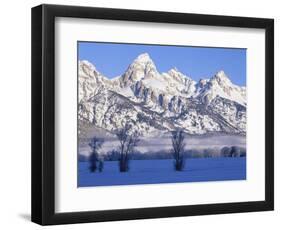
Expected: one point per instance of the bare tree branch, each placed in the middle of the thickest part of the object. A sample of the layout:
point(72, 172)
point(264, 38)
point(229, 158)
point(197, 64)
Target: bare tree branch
point(128, 141)
point(95, 144)
point(178, 148)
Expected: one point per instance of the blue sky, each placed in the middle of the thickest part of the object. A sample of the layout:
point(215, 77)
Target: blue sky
point(197, 62)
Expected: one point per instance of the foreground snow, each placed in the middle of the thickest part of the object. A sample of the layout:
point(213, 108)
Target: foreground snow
point(161, 171)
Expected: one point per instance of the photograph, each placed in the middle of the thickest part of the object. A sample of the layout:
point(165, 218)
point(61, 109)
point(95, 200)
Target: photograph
point(151, 114)
point(140, 114)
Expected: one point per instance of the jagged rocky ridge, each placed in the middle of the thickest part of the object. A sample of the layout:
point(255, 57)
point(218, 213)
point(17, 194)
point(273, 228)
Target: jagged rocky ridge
point(155, 103)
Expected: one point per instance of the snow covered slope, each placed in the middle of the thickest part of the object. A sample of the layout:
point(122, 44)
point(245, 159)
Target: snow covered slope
point(155, 103)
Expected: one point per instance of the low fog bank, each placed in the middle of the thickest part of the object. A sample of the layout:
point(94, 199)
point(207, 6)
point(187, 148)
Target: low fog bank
point(160, 147)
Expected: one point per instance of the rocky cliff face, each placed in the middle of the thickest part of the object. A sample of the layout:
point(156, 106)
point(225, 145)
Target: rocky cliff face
point(155, 103)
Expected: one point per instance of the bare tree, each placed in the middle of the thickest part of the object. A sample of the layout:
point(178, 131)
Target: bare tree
point(234, 151)
point(225, 151)
point(178, 149)
point(128, 141)
point(95, 144)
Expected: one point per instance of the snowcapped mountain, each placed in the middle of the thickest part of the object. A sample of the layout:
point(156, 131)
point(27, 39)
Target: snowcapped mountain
point(155, 103)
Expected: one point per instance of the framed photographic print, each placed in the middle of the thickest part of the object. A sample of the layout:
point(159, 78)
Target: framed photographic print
point(143, 114)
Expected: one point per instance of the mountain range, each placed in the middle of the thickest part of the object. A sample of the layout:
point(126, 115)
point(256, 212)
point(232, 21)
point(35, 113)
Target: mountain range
point(155, 103)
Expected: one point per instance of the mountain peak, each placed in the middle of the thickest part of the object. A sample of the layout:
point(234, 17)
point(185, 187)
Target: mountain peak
point(140, 68)
point(144, 57)
point(87, 63)
point(88, 67)
point(175, 70)
point(221, 77)
point(221, 74)
point(178, 75)
point(160, 102)
point(144, 61)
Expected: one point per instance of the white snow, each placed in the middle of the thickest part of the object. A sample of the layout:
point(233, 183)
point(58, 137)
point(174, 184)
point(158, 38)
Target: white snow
point(161, 171)
point(126, 91)
point(168, 94)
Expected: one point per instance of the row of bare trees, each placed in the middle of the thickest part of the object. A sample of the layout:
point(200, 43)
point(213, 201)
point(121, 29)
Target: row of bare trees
point(95, 162)
point(178, 149)
point(128, 140)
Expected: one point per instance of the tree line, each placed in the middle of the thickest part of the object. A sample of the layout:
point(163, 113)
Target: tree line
point(129, 139)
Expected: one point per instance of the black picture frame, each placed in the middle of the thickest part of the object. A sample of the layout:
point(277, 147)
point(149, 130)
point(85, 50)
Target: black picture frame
point(43, 114)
